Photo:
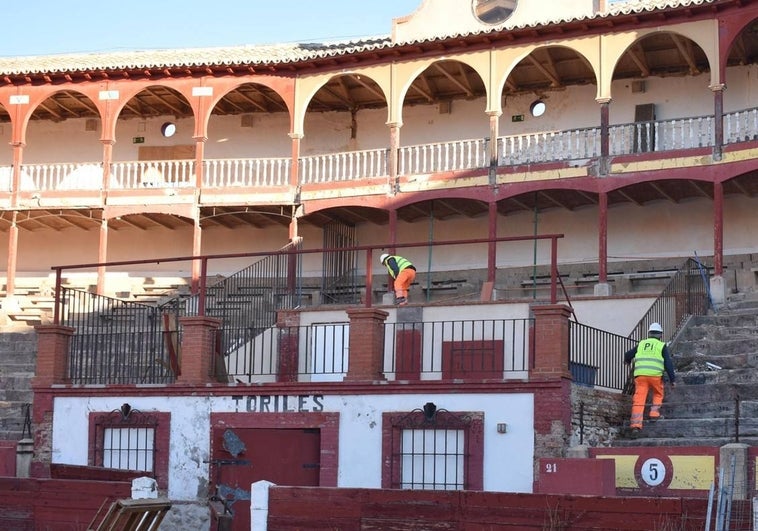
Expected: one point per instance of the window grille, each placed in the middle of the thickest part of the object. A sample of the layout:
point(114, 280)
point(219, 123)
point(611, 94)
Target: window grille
point(432, 459)
point(129, 448)
point(431, 448)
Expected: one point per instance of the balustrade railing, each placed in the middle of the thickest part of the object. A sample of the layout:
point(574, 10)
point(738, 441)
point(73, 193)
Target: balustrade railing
point(741, 126)
point(153, 174)
point(443, 156)
point(661, 135)
point(540, 147)
point(345, 166)
point(549, 146)
point(221, 173)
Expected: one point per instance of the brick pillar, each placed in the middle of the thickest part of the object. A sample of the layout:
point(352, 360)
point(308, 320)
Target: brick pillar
point(366, 344)
point(551, 342)
point(288, 322)
point(198, 349)
point(52, 354)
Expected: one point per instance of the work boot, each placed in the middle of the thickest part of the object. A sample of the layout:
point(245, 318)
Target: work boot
point(401, 301)
point(635, 432)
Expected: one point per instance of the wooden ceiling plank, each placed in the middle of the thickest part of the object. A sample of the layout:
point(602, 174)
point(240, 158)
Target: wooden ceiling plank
point(368, 87)
point(660, 190)
point(685, 49)
point(637, 54)
point(554, 81)
point(466, 89)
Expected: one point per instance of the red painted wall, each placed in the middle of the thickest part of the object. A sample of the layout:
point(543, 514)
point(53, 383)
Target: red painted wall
point(54, 504)
point(8, 458)
point(292, 508)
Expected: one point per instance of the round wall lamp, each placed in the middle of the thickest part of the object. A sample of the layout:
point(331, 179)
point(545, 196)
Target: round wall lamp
point(537, 108)
point(168, 129)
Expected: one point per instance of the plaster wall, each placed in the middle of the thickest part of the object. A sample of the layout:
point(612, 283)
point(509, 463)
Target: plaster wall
point(679, 229)
point(508, 457)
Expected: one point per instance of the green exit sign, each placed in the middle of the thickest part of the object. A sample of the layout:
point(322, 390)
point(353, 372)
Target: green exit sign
point(517, 118)
point(138, 140)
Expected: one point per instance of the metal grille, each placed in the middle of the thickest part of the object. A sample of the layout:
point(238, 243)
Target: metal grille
point(340, 282)
point(432, 459)
point(129, 448)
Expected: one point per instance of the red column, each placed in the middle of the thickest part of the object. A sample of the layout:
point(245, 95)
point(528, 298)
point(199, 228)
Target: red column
point(10, 275)
point(604, 136)
point(393, 158)
point(52, 354)
point(718, 120)
point(551, 342)
point(718, 228)
point(198, 349)
point(602, 226)
point(492, 247)
point(288, 322)
point(366, 344)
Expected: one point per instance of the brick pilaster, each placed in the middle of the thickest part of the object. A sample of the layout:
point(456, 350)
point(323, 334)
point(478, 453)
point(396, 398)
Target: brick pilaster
point(366, 344)
point(288, 322)
point(198, 349)
point(551, 342)
point(52, 354)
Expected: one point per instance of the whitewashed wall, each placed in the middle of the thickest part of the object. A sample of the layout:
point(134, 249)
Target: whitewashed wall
point(507, 457)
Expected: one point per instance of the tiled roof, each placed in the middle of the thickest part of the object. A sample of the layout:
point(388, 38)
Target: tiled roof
point(268, 54)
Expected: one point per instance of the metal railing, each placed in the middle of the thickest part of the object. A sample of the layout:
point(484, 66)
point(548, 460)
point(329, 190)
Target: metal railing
point(120, 342)
point(495, 349)
point(596, 357)
point(482, 349)
point(317, 352)
point(685, 294)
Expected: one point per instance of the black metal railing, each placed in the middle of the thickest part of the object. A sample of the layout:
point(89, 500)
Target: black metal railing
point(486, 348)
point(317, 351)
point(247, 300)
point(686, 294)
point(596, 357)
point(119, 342)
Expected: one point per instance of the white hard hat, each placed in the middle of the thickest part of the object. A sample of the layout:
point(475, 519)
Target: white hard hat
point(383, 257)
point(655, 327)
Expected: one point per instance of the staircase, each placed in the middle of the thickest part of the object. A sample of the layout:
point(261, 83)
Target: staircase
point(715, 401)
point(19, 352)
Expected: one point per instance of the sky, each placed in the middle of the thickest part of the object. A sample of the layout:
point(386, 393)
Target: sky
point(51, 27)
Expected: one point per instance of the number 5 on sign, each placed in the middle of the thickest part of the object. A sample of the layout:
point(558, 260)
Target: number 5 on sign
point(653, 472)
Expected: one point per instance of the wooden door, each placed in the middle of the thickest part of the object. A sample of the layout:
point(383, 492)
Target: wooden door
point(242, 456)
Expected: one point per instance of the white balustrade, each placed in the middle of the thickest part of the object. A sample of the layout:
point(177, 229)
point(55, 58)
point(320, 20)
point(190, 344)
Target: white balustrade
point(443, 156)
point(549, 146)
point(741, 126)
point(345, 166)
point(221, 173)
point(153, 174)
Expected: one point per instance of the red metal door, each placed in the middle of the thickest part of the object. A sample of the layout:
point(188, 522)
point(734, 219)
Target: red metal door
point(243, 456)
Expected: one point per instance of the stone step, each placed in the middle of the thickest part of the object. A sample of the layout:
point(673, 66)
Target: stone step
point(697, 428)
point(696, 394)
point(716, 376)
point(626, 442)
